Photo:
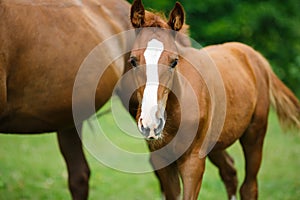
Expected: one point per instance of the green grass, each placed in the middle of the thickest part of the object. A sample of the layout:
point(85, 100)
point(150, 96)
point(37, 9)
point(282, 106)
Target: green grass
point(31, 167)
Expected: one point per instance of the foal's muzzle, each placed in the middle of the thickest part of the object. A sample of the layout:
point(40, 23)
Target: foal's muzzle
point(152, 131)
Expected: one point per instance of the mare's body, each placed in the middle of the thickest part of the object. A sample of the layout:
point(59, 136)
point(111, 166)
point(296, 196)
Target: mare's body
point(42, 45)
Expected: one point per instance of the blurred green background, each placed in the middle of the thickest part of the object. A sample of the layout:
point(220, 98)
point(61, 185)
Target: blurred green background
point(271, 27)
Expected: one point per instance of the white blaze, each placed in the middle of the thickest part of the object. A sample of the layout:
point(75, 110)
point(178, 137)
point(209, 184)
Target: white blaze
point(149, 104)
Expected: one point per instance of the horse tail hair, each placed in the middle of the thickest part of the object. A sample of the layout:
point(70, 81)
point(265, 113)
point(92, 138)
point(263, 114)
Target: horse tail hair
point(286, 104)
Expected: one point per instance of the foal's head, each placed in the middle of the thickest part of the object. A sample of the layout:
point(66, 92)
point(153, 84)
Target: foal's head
point(154, 59)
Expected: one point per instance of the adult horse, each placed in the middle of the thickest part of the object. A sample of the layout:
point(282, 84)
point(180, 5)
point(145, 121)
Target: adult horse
point(176, 98)
point(42, 45)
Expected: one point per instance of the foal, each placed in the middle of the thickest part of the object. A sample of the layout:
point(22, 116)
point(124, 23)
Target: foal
point(187, 113)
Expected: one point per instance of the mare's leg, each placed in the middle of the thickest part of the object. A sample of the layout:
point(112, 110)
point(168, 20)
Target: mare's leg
point(168, 179)
point(78, 170)
point(252, 143)
point(191, 170)
point(227, 171)
point(3, 89)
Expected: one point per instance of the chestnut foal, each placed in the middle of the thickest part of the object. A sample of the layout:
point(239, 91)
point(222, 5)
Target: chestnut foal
point(177, 109)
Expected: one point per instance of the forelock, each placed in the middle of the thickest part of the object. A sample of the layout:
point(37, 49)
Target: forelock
point(156, 20)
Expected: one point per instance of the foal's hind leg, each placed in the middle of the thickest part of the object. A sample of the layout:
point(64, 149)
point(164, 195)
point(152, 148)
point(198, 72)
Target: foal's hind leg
point(78, 170)
point(227, 171)
point(252, 143)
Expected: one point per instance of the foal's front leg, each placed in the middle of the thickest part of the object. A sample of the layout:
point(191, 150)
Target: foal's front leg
point(168, 179)
point(191, 169)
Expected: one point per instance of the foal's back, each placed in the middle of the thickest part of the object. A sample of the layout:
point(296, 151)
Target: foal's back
point(245, 76)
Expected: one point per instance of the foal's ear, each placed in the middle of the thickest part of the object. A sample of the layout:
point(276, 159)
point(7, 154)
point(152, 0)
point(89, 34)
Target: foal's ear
point(137, 14)
point(176, 19)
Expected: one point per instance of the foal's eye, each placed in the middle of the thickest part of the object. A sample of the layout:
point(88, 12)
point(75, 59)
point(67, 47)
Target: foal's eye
point(174, 63)
point(133, 61)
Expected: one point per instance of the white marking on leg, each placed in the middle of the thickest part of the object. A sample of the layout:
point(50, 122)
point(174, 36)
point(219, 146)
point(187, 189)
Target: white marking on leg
point(233, 197)
point(152, 55)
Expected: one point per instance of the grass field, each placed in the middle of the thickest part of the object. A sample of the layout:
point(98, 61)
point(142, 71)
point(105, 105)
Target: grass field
point(31, 168)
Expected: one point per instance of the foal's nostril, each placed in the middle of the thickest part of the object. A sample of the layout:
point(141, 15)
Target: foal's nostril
point(142, 128)
point(159, 127)
point(145, 131)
